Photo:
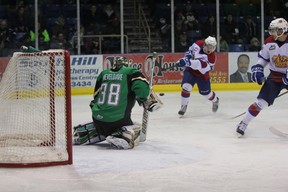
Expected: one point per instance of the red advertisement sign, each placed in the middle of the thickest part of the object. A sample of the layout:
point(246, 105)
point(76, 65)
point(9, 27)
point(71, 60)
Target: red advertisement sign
point(220, 72)
point(166, 71)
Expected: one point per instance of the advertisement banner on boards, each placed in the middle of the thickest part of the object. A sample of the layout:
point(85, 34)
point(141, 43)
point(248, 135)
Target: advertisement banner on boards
point(242, 62)
point(166, 71)
point(85, 69)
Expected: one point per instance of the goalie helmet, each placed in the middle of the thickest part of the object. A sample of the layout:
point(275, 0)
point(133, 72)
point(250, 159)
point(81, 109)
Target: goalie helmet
point(278, 27)
point(119, 63)
point(210, 44)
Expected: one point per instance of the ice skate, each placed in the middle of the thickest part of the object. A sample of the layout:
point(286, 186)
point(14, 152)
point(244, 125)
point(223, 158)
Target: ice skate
point(182, 111)
point(241, 129)
point(215, 105)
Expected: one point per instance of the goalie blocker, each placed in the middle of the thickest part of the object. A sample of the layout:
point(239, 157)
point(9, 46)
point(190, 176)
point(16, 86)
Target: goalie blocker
point(86, 134)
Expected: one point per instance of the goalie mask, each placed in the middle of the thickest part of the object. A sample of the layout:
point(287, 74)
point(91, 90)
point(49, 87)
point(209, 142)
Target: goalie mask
point(119, 63)
point(278, 27)
point(209, 45)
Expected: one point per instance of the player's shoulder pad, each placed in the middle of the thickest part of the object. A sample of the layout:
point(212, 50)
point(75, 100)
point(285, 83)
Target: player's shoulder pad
point(137, 75)
point(200, 43)
point(129, 70)
point(103, 72)
point(269, 39)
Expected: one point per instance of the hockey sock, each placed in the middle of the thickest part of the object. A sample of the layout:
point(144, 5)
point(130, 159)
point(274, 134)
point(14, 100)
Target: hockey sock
point(254, 110)
point(212, 96)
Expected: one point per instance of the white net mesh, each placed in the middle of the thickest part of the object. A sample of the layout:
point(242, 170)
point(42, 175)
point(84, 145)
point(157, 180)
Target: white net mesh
point(33, 109)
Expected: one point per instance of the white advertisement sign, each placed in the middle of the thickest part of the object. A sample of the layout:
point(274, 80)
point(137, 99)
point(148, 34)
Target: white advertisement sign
point(85, 70)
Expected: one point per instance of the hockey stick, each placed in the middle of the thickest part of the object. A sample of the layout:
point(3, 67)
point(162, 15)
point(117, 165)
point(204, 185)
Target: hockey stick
point(245, 112)
point(29, 49)
point(278, 132)
point(145, 116)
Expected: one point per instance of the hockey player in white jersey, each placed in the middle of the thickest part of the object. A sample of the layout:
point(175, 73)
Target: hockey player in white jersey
point(274, 54)
point(199, 60)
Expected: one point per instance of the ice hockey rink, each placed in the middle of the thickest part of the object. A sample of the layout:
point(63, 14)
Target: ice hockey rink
point(196, 153)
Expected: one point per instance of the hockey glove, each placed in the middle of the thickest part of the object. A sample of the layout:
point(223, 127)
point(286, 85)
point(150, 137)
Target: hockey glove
point(153, 103)
point(188, 55)
point(148, 105)
point(285, 79)
point(258, 74)
point(151, 106)
point(183, 62)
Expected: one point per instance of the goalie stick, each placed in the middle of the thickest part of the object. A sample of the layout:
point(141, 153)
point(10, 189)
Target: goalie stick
point(278, 132)
point(145, 116)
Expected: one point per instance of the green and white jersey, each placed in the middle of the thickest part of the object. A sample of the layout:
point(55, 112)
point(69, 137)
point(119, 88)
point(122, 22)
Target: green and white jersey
point(116, 92)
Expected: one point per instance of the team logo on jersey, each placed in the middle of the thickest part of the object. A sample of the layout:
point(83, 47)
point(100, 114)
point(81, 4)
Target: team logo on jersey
point(280, 61)
point(99, 117)
point(272, 47)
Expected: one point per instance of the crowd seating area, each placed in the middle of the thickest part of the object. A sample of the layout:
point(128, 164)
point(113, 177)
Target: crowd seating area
point(240, 23)
point(58, 26)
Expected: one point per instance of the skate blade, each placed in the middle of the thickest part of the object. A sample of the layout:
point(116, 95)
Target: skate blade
point(181, 116)
point(239, 135)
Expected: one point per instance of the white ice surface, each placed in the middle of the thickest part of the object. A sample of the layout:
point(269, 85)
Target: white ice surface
point(196, 153)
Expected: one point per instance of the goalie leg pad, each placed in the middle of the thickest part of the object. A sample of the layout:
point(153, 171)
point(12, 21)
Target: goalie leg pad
point(137, 131)
point(153, 103)
point(85, 134)
point(126, 138)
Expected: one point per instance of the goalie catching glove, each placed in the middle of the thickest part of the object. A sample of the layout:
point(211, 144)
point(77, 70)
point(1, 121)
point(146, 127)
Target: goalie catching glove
point(153, 103)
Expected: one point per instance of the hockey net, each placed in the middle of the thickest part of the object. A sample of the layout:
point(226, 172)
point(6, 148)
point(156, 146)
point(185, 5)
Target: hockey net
point(35, 110)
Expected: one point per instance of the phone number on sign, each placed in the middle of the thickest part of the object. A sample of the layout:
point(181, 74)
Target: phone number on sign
point(218, 80)
point(82, 84)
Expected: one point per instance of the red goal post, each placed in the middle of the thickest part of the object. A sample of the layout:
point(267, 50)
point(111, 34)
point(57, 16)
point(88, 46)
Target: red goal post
point(35, 110)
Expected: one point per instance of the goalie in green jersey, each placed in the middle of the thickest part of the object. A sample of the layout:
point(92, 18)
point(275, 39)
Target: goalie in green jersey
point(115, 94)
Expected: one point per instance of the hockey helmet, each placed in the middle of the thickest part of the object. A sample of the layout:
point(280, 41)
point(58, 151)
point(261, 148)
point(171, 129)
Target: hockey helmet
point(278, 27)
point(210, 44)
point(119, 63)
